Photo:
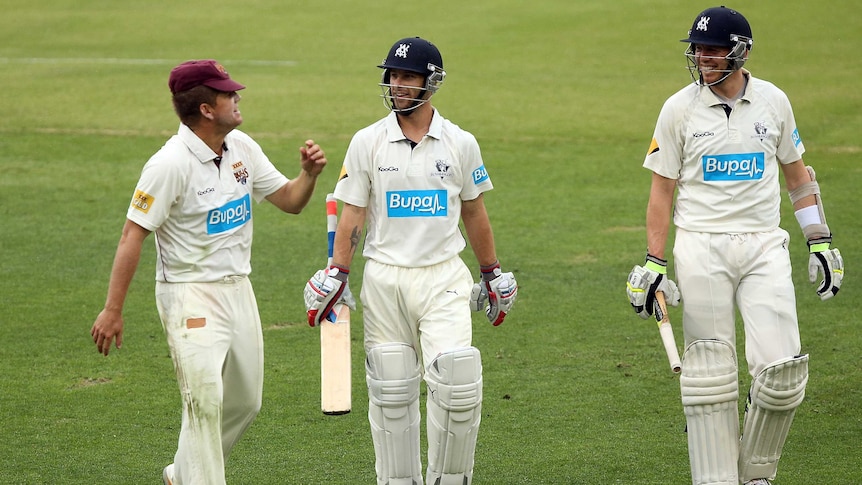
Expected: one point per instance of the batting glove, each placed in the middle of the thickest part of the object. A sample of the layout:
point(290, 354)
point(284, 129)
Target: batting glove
point(498, 289)
point(645, 280)
point(323, 291)
point(827, 262)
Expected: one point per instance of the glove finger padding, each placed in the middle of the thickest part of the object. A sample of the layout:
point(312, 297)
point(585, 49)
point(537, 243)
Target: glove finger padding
point(641, 287)
point(478, 297)
point(830, 264)
point(322, 292)
point(347, 298)
point(501, 293)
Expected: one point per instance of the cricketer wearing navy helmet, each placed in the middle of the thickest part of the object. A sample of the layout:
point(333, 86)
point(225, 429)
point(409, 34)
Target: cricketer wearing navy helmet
point(719, 149)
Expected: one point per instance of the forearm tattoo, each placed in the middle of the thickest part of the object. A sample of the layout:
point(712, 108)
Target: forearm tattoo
point(355, 234)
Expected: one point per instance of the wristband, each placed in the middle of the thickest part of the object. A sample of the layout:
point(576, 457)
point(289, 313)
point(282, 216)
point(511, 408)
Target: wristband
point(818, 246)
point(490, 271)
point(656, 264)
point(338, 272)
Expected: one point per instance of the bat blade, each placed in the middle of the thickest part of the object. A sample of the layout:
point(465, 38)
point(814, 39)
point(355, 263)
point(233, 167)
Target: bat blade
point(666, 331)
point(335, 380)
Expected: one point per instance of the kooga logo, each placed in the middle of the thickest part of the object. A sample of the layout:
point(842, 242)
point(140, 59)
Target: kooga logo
point(731, 167)
point(417, 203)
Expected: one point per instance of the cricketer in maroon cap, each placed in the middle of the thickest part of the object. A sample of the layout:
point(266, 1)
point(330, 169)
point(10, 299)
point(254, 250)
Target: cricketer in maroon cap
point(206, 72)
point(196, 194)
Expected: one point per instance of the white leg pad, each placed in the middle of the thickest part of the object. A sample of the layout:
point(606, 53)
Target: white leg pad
point(393, 374)
point(710, 392)
point(454, 408)
point(775, 394)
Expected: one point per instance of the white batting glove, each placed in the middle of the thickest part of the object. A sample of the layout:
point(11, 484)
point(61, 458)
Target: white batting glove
point(498, 289)
point(323, 291)
point(645, 280)
point(827, 262)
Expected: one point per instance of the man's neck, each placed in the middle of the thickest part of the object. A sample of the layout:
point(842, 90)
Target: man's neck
point(731, 88)
point(212, 138)
point(416, 125)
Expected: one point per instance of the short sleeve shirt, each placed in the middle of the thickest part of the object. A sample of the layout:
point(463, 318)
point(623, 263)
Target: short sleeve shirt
point(201, 214)
point(412, 194)
point(726, 166)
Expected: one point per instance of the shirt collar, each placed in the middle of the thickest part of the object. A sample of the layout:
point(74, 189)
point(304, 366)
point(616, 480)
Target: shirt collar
point(197, 146)
point(394, 133)
point(710, 99)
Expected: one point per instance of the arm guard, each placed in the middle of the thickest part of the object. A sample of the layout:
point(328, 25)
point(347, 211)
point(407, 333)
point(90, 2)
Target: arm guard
point(817, 232)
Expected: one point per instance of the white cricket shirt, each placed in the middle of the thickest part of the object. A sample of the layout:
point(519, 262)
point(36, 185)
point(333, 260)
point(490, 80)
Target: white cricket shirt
point(725, 166)
point(412, 195)
point(201, 215)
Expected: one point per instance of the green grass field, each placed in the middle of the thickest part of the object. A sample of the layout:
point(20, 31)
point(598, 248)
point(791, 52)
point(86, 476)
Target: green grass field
point(562, 97)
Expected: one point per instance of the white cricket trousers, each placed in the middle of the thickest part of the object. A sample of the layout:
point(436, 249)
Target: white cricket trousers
point(214, 335)
point(427, 308)
point(718, 273)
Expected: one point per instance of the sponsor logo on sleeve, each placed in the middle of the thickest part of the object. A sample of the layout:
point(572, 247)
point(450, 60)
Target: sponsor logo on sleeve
point(653, 147)
point(480, 175)
point(795, 136)
point(733, 167)
point(142, 201)
point(417, 203)
point(229, 216)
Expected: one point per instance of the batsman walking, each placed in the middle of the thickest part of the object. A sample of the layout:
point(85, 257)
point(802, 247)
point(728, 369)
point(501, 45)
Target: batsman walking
point(719, 144)
point(410, 178)
point(195, 193)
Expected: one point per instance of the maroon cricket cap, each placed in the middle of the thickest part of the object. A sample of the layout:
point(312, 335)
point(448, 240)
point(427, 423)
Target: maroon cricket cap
point(205, 72)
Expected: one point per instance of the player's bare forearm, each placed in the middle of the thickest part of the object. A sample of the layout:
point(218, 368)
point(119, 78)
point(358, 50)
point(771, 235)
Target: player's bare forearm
point(658, 216)
point(293, 196)
point(348, 235)
point(479, 232)
point(109, 323)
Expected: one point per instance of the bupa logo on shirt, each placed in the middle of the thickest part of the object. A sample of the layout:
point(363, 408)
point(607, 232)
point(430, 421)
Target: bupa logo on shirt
point(480, 175)
point(732, 167)
point(229, 216)
point(417, 203)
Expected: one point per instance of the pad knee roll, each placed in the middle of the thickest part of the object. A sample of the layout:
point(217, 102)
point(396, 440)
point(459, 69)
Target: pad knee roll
point(393, 374)
point(775, 394)
point(454, 407)
point(710, 392)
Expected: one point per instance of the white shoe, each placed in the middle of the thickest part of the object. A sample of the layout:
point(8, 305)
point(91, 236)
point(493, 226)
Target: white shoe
point(758, 481)
point(168, 475)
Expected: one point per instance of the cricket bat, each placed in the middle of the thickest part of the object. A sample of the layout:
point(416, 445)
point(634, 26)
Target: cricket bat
point(335, 379)
point(664, 328)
